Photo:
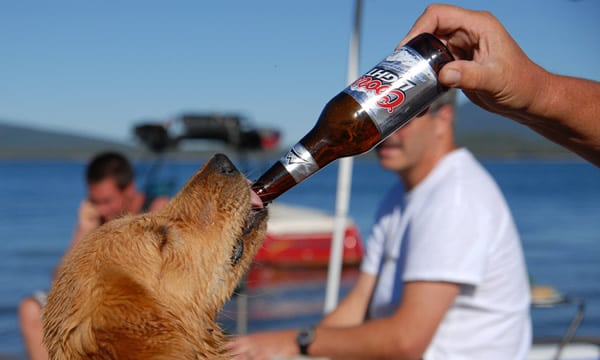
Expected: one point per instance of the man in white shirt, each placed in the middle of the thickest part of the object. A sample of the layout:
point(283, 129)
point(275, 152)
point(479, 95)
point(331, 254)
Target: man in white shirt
point(443, 276)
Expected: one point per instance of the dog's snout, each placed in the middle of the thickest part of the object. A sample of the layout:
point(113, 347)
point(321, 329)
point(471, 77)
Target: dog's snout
point(224, 165)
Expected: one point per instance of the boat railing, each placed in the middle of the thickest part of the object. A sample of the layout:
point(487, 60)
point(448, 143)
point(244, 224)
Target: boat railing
point(548, 297)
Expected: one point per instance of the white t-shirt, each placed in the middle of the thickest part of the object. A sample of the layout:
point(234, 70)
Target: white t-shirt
point(455, 226)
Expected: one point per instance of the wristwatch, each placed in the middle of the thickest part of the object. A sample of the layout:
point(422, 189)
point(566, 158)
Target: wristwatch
point(304, 338)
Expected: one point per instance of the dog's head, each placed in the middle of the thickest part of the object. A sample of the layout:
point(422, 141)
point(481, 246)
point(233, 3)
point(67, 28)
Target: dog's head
point(141, 285)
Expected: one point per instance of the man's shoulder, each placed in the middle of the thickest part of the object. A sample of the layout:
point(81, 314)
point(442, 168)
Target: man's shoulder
point(461, 169)
point(462, 182)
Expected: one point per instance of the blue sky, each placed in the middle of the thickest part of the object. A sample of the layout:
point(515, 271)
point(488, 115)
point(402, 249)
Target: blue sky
point(98, 67)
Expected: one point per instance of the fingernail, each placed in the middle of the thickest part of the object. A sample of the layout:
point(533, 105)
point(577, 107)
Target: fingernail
point(450, 77)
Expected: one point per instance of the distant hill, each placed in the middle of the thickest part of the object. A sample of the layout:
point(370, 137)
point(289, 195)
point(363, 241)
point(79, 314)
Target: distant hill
point(490, 135)
point(470, 118)
point(18, 141)
point(487, 135)
point(26, 141)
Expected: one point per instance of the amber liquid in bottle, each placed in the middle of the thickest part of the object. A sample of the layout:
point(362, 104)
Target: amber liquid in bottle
point(346, 127)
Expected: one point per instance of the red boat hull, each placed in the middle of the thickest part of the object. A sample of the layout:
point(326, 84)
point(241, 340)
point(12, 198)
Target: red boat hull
point(308, 249)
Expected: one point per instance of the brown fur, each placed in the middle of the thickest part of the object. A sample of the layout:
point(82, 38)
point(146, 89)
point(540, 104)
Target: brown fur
point(150, 286)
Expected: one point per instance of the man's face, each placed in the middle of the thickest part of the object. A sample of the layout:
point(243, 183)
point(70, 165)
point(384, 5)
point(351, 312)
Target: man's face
point(408, 146)
point(109, 200)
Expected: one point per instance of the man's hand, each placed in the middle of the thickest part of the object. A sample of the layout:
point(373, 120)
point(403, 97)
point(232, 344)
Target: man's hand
point(88, 218)
point(491, 68)
point(495, 74)
point(263, 346)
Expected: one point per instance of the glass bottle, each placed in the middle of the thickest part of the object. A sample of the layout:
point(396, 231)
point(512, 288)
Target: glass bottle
point(396, 90)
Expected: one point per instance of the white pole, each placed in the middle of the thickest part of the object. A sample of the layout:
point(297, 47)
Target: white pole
point(343, 185)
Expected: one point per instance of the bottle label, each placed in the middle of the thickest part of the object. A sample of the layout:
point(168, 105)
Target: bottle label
point(299, 163)
point(396, 90)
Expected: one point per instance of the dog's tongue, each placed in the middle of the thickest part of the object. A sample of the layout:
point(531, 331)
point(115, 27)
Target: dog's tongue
point(255, 200)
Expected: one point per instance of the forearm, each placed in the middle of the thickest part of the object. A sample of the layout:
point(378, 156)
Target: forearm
point(566, 110)
point(353, 308)
point(349, 312)
point(378, 339)
point(404, 335)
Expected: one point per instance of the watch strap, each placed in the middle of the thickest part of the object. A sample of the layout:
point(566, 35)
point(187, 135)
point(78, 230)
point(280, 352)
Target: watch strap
point(304, 338)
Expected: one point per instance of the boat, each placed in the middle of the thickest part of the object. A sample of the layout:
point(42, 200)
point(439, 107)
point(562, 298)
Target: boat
point(580, 348)
point(302, 236)
point(233, 130)
point(296, 236)
point(569, 346)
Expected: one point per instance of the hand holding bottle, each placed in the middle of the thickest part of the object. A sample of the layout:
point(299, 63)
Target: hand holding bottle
point(491, 68)
point(495, 73)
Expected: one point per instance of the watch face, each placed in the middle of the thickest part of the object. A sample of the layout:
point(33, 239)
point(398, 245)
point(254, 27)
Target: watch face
point(305, 336)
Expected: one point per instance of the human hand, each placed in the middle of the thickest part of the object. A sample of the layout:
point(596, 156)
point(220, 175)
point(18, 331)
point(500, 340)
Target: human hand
point(491, 68)
point(88, 218)
point(263, 346)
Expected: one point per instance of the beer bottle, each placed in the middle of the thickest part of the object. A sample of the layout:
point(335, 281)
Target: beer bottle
point(396, 90)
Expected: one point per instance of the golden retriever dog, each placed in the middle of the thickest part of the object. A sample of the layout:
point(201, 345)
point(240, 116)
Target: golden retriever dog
point(150, 286)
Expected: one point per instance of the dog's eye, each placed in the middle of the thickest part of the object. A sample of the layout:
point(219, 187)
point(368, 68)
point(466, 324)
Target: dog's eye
point(238, 252)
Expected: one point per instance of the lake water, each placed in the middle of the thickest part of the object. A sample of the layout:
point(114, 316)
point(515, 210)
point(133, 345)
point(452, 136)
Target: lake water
point(556, 206)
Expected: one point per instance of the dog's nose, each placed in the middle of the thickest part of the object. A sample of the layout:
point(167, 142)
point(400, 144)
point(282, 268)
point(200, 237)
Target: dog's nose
point(224, 165)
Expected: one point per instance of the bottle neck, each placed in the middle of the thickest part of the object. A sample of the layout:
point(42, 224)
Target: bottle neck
point(295, 166)
point(343, 129)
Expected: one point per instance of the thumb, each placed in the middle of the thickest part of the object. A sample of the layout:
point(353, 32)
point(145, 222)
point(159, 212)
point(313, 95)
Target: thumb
point(463, 74)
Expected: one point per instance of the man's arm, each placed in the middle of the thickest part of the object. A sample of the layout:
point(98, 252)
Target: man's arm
point(495, 73)
point(404, 335)
point(88, 219)
point(566, 110)
point(353, 308)
point(264, 345)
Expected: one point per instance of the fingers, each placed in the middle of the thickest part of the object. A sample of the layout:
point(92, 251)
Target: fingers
point(89, 218)
point(261, 346)
point(240, 348)
point(88, 211)
point(437, 19)
point(467, 35)
point(234, 350)
point(86, 205)
point(466, 75)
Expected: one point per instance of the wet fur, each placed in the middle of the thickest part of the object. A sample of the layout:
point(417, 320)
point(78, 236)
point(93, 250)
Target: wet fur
point(150, 286)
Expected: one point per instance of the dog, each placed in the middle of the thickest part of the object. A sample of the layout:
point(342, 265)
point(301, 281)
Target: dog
point(150, 286)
